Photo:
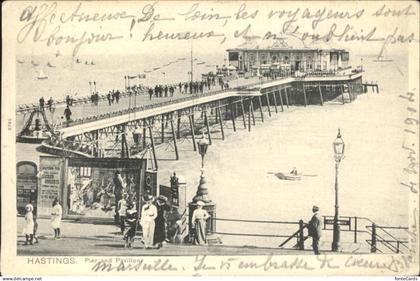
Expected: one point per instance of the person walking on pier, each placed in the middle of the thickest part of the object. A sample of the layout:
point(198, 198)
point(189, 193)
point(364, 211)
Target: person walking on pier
point(150, 93)
point(67, 114)
point(199, 219)
point(314, 229)
point(41, 103)
point(50, 104)
point(148, 216)
point(108, 96)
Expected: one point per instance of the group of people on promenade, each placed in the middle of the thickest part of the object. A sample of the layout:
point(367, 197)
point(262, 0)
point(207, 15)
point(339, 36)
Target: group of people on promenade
point(155, 217)
point(153, 221)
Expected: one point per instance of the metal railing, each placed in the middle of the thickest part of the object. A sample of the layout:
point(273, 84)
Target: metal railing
point(386, 239)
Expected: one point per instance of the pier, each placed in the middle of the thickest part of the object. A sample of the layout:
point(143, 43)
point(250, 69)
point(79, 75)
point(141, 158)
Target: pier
point(187, 116)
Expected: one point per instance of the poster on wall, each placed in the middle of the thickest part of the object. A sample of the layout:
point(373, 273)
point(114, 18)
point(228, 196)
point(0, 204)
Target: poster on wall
point(50, 182)
point(26, 185)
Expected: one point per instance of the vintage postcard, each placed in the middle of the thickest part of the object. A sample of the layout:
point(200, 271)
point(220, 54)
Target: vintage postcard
point(203, 138)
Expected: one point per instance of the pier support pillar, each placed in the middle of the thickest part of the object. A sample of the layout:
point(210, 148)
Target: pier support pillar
point(221, 123)
point(252, 111)
point(174, 137)
point(342, 92)
point(243, 112)
point(178, 125)
point(144, 134)
point(249, 117)
point(191, 119)
point(162, 120)
point(153, 145)
point(281, 100)
point(261, 110)
point(206, 121)
point(232, 116)
point(268, 104)
point(273, 93)
point(304, 95)
point(287, 96)
point(320, 94)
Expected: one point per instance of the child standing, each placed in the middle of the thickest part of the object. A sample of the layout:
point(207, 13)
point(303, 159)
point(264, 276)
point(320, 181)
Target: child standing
point(57, 211)
point(28, 230)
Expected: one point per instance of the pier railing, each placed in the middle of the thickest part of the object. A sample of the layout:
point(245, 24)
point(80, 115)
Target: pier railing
point(83, 120)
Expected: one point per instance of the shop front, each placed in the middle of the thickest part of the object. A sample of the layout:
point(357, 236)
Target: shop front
point(90, 188)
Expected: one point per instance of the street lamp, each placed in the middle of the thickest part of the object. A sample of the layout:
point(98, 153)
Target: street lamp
point(338, 146)
point(202, 192)
point(203, 144)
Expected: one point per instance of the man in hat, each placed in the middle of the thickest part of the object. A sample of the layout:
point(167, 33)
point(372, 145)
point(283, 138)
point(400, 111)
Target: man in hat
point(314, 229)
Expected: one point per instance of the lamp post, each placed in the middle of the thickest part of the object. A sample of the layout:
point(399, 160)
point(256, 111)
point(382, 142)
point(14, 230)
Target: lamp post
point(202, 195)
point(338, 146)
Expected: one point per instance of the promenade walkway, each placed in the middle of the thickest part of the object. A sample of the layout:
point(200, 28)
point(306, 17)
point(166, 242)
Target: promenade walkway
point(90, 239)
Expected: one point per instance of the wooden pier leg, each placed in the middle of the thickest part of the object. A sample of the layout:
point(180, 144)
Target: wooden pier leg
point(249, 117)
point(144, 134)
point(174, 137)
point(178, 125)
point(287, 96)
point(261, 110)
point(153, 146)
point(304, 95)
point(273, 93)
point(206, 120)
point(252, 111)
point(243, 112)
point(342, 92)
point(162, 120)
point(268, 104)
point(221, 123)
point(281, 100)
point(350, 92)
point(320, 94)
point(191, 118)
point(232, 116)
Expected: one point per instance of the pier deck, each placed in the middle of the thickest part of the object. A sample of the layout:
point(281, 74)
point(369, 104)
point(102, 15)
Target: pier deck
point(188, 102)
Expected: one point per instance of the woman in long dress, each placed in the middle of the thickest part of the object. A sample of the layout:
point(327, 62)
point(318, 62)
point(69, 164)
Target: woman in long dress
point(148, 215)
point(28, 229)
point(130, 224)
point(56, 214)
point(198, 220)
point(160, 223)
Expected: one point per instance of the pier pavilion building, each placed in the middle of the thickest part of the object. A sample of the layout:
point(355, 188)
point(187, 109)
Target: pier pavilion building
point(287, 60)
